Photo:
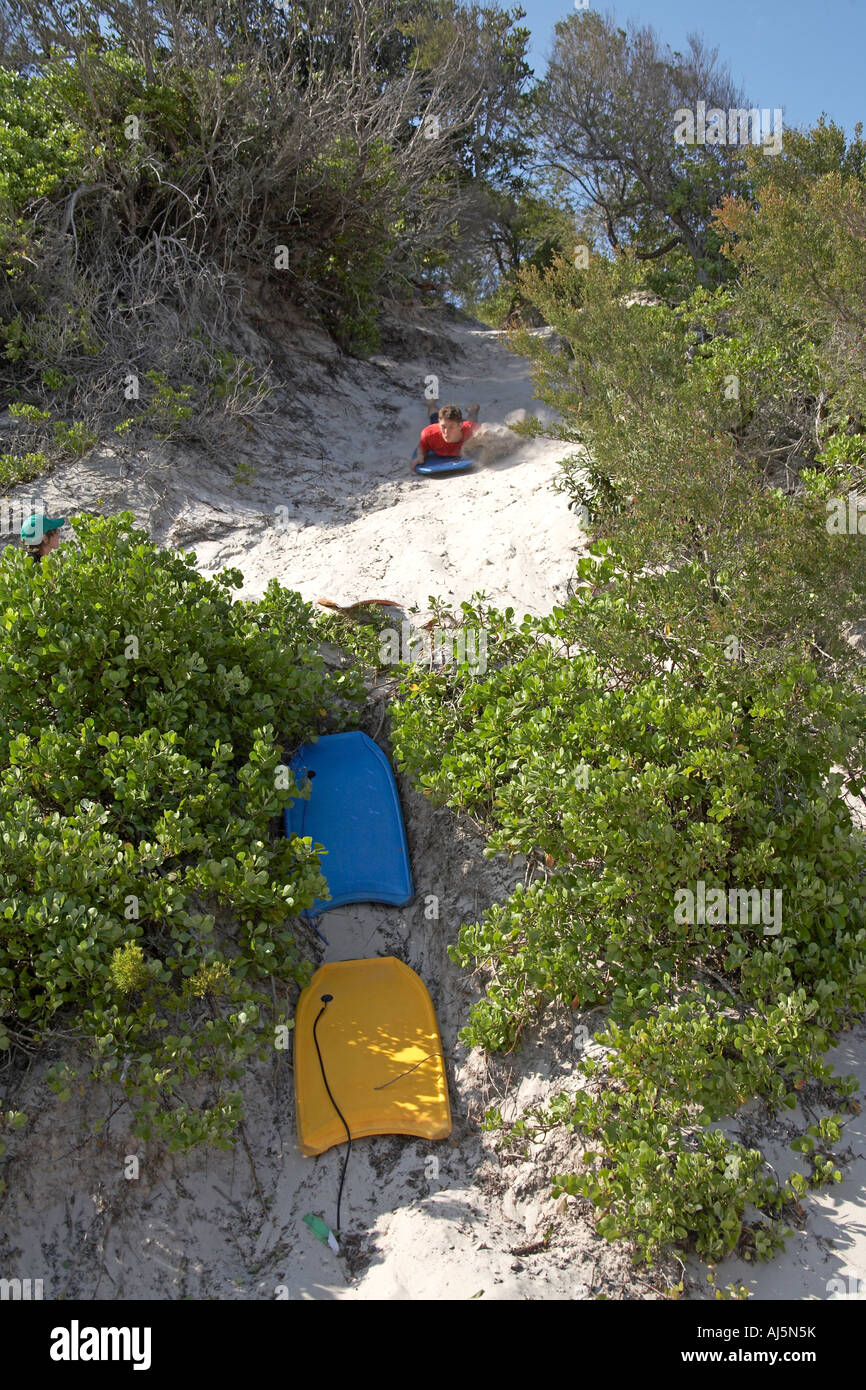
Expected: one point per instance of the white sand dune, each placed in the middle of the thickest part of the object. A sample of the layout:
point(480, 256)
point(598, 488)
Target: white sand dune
point(358, 523)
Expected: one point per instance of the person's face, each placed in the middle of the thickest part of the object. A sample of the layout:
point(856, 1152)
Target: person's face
point(452, 430)
point(50, 541)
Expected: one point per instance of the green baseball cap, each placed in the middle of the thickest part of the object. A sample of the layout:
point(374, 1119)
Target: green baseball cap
point(35, 527)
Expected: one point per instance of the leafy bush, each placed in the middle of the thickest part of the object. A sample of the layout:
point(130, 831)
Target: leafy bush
point(19, 410)
point(624, 786)
point(178, 168)
point(169, 407)
point(38, 148)
point(146, 907)
point(22, 468)
point(75, 439)
point(590, 492)
point(682, 444)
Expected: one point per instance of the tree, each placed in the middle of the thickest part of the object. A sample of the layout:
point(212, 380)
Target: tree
point(606, 127)
point(720, 431)
point(514, 230)
point(800, 249)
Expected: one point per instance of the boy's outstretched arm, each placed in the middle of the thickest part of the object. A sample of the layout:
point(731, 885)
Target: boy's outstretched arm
point(420, 455)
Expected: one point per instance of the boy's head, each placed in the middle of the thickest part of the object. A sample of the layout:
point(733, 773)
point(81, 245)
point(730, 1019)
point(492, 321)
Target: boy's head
point(451, 423)
point(41, 534)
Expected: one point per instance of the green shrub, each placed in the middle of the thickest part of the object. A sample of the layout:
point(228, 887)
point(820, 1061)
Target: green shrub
point(38, 148)
point(146, 908)
point(75, 439)
point(22, 468)
point(626, 782)
point(31, 413)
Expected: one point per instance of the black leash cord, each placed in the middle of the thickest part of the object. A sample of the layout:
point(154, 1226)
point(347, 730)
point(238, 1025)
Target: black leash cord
point(326, 999)
point(408, 1071)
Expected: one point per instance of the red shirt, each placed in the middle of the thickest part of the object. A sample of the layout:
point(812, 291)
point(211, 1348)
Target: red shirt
point(432, 438)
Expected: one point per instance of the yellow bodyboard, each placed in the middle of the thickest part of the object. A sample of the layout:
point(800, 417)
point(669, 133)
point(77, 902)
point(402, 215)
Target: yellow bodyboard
point(382, 1054)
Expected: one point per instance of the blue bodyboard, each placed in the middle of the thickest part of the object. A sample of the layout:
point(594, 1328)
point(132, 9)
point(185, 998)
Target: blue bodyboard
point(434, 466)
point(354, 813)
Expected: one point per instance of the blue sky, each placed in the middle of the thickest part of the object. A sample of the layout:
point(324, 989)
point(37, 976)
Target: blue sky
point(806, 56)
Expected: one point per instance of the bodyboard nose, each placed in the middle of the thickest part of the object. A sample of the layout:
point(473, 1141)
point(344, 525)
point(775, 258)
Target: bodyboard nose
point(354, 813)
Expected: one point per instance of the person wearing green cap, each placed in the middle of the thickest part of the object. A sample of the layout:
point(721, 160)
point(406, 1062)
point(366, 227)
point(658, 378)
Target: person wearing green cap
point(40, 534)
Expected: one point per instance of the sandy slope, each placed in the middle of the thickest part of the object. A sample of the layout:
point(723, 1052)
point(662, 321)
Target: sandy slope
point(334, 511)
point(360, 524)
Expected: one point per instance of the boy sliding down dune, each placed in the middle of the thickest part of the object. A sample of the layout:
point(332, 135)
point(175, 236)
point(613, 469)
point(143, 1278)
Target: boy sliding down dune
point(446, 434)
